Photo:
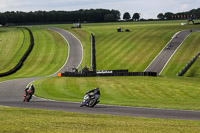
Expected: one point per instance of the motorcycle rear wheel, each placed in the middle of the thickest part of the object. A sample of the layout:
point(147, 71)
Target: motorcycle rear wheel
point(92, 103)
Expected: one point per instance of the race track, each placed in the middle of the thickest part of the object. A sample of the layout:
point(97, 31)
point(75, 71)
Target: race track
point(11, 94)
point(159, 63)
point(75, 53)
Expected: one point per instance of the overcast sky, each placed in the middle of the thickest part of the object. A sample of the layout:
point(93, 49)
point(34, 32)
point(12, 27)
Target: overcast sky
point(147, 8)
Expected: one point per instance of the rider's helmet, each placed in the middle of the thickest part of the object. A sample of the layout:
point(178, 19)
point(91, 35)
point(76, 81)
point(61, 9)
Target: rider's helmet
point(96, 90)
point(31, 87)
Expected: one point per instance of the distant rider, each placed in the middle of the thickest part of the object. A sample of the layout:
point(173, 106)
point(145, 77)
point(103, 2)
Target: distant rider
point(29, 90)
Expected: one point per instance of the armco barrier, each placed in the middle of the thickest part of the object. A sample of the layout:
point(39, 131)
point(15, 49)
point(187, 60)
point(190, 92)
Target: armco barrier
point(20, 64)
point(184, 70)
point(94, 74)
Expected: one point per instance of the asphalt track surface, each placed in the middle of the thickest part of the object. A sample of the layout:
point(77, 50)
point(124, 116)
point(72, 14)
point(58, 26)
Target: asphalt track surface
point(75, 53)
point(11, 95)
point(159, 63)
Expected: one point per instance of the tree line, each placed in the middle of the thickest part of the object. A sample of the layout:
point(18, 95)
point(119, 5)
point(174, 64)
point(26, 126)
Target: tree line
point(127, 16)
point(194, 13)
point(88, 15)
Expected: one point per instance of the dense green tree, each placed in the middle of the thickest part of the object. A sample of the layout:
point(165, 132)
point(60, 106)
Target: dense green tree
point(160, 16)
point(126, 16)
point(195, 13)
point(168, 15)
point(136, 16)
point(117, 14)
point(109, 18)
point(91, 15)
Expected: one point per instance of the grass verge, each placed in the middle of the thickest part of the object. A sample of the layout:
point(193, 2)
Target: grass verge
point(154, 92)
point(31, 120)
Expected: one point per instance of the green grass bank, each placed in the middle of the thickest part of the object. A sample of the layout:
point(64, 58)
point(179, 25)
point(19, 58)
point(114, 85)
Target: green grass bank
point(34, 121)
point(126, 50)
point(49, 54)
point(134, 51)
point(155, 92)
point(13, 45)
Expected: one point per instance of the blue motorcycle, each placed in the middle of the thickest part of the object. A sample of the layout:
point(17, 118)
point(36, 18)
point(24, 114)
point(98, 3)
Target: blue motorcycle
point(90, 100)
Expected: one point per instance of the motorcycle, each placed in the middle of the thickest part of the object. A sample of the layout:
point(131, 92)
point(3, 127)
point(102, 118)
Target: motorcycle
point(28, 94)
point(90, 100)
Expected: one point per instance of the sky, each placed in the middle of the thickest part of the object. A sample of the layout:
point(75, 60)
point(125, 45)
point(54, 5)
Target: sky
point(147, 8)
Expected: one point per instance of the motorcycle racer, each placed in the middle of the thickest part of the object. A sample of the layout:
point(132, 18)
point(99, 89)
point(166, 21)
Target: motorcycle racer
point(29, 91)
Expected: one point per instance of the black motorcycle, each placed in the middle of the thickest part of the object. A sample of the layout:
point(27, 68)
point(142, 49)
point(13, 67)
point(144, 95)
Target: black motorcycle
point(90, 100)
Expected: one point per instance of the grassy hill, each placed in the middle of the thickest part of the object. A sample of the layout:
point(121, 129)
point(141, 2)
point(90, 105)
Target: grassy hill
point(155, 92)
point(134, 51)
point(13, 45)
point(126, 50)
point(47, 57)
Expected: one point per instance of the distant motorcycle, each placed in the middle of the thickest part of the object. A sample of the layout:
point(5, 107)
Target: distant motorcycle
point(28, 93)
point(91, 98)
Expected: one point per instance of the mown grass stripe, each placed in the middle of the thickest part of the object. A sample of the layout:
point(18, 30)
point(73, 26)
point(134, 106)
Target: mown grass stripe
point(43, 60)
point(115, 49)
point(123, 42)
point(49, 57)
point(104, 48)
point(11, 48)
point(126, 46)
point(38, 52)
point(11, 56)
